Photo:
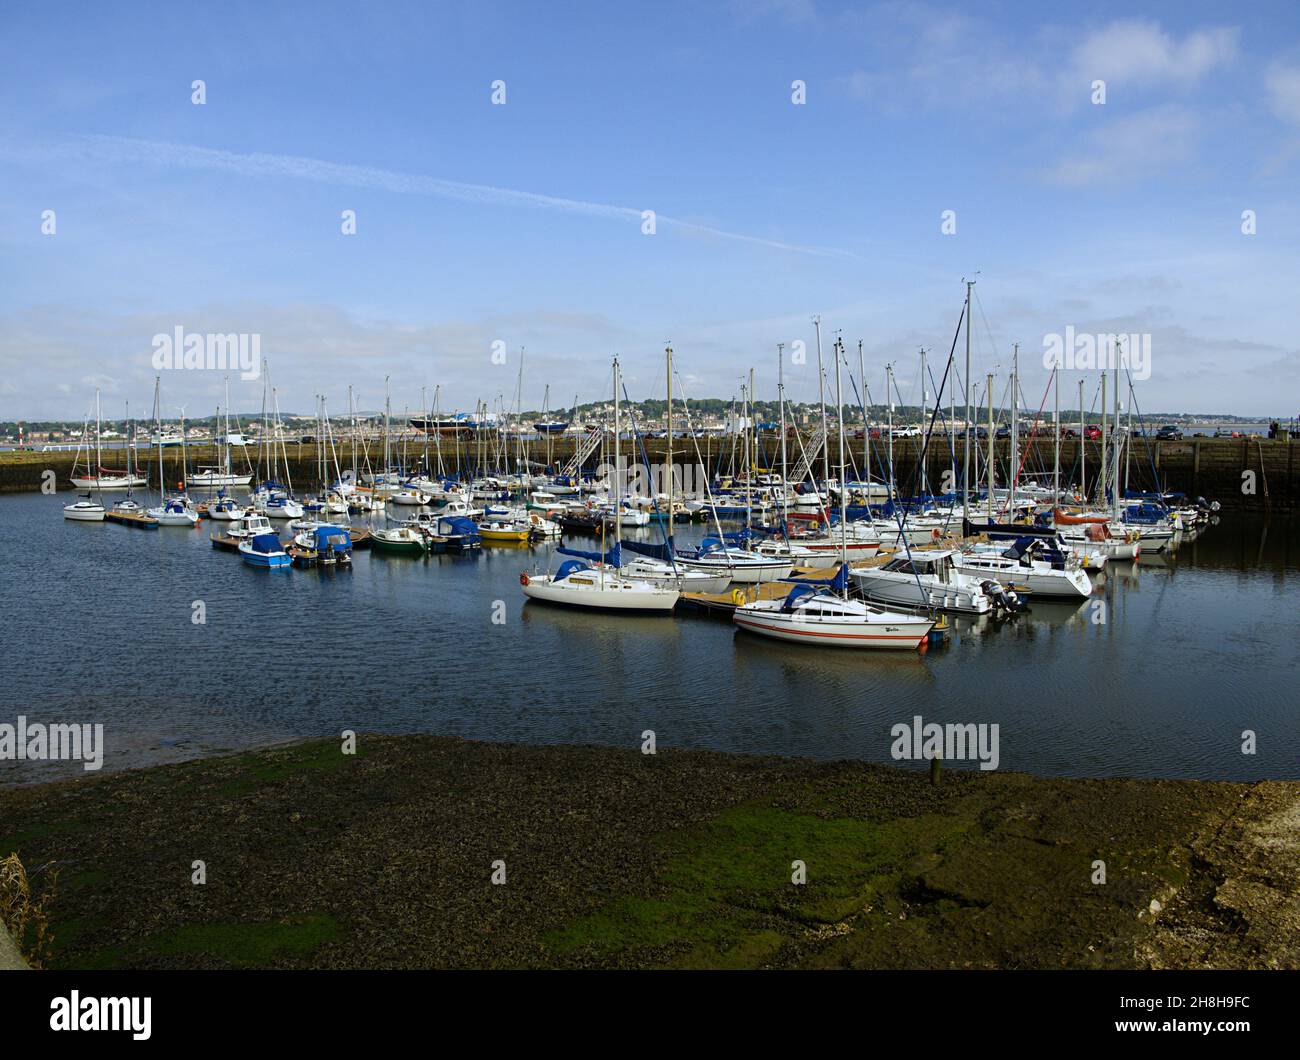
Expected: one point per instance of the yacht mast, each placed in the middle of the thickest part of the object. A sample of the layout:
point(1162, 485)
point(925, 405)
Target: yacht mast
point(821, 397)
point(1056, 432)
point(965, 475)
point(157, 419)
point(1119, 438)
point(1013, 457)
point(889, 400)
point(780, 400)
point(924, 401)
point(99, 457)
point(1101, 476)
point(1083, 449)
point(866, 428)
point(668, 353)
point(618, 474)
point(751, 458)
point(844, 555)
point(989, 469)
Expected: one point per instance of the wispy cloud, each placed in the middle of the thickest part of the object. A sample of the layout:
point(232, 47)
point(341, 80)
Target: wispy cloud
point(948, 59)
point(1140, 52)
point(1283, 83)
point(125, 151)
point(1131, 148)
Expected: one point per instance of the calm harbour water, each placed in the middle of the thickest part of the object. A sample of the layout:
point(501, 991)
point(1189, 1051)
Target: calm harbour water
point(96, 622)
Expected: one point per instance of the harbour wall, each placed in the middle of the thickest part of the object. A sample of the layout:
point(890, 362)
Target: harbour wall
point(1242, 474)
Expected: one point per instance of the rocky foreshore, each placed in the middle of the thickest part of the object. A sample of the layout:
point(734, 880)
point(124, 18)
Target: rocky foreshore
point(424, 851)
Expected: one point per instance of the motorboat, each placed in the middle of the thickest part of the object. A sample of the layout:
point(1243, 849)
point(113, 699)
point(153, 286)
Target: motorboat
point(501, 532)
point(400, 540)
point(930, 579)
point(1030, 563)
point(265, 550)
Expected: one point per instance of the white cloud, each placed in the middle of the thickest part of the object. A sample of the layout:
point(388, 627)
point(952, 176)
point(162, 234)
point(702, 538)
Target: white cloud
point(1139, 52)
point(954, 60)
point(1283, 83)
point(1131, 148)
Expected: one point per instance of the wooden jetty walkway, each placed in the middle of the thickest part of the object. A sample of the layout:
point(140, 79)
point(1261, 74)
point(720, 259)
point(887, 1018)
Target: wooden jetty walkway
point(139, 519)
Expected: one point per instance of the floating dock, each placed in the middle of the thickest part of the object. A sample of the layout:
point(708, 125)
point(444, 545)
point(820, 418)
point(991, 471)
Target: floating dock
point(725, 603)
point(144, 522)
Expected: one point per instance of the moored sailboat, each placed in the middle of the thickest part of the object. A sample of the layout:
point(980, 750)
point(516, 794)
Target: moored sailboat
point(577, 584)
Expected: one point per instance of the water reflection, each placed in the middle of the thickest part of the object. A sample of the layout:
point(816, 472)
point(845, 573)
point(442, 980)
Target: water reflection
point(1156, 674)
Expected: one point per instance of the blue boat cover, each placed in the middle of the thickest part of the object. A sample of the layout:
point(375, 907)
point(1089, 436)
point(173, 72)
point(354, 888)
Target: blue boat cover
point(266, 543)
point(796, 594)
point(664, 552)
point(838, 581)
point(457, 524)
point(614, 556)
point(570, 566)
point(332, 535)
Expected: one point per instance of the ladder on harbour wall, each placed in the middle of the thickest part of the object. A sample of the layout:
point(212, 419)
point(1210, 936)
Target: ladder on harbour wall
point(1263, 475)
point(810, 453)
point(588, 445)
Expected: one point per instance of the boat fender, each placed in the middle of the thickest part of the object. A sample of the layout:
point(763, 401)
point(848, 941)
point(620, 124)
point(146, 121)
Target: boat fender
point(523, 577)
point(934, 534)
point(738, 597)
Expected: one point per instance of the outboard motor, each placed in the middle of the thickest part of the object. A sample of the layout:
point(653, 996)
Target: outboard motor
point(1004, 599)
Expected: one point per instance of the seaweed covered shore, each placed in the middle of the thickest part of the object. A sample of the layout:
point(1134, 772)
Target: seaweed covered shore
point(435, 852)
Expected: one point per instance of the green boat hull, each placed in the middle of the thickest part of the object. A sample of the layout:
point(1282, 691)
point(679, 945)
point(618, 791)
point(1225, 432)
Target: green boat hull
point(398, 548)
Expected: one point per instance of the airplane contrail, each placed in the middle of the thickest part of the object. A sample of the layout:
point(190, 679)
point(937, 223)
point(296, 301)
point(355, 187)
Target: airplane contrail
point(122, 150)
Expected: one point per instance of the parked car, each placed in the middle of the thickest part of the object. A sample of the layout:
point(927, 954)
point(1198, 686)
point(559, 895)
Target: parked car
point(1069, 432)
point(1169, 433)
point(1003, 432)
point(1092, 432)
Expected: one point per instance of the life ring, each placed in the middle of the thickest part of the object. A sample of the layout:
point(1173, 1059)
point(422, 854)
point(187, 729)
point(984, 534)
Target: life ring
point(523, 577)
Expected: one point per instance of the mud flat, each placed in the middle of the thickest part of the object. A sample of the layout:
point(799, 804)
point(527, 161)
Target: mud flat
point(612, 858)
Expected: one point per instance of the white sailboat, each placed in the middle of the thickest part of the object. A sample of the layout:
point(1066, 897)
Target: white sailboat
point(223, 474)
point(577, 584)
point(825, 615)
point(86, 510)
point(174, 510)
point(89, 510)
point(99, 477)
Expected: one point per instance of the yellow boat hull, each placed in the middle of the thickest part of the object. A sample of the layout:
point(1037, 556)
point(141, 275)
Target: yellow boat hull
point(512, 537)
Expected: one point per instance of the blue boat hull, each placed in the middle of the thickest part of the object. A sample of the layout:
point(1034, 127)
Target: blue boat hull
point(269, 562)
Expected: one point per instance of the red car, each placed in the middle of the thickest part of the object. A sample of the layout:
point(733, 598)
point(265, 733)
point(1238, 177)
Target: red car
point(1092, 432)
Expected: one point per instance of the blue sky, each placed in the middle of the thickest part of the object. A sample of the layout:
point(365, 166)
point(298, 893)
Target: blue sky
point(520, 223)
